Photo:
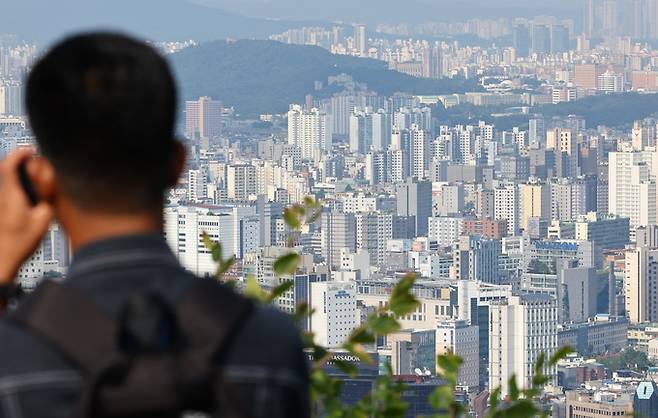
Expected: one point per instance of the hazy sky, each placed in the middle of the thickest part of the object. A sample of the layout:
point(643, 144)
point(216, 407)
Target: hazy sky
point(375, 11)
point(45, 20)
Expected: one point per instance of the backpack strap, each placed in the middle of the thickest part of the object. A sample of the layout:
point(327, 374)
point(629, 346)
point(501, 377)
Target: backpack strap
point(68, 319)
point(208, 315)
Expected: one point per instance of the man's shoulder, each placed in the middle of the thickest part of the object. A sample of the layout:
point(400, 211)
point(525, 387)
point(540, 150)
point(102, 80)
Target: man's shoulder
point(266, 338)
point(29, 359)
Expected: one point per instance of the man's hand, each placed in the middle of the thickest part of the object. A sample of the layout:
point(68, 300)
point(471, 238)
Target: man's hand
point(22, 226)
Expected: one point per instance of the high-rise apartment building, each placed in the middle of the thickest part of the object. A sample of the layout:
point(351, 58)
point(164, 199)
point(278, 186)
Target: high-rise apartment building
point(587, 75)
point(632, 187)
point(419, 152)
point(445, 230)
point(11, 98)
point(373, 231)
point(197, 185)
point(240, 181)
point(360, 39)
point(522, 328)
point(605, 232)
point(640, 284)
point(338, 233)
point(311, 131)
point(541, 39)
point(535, 201)
point(521, 39)
point(506, 205)
point(559, 39)
point(369, 131)
point(203, 118)
point(334, 314)
point(376, 170)
point(475, 258)
point(414, 198)
point(572, 197)
point(236, 228)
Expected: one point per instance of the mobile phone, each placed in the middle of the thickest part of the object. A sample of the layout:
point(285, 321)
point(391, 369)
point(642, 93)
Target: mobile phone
point(28, 188)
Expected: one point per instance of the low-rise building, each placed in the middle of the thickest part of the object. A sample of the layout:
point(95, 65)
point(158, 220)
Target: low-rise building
point(601, 334)
point(581, 404)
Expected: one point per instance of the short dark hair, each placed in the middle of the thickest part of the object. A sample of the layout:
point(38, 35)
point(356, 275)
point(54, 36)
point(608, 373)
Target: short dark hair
point(103, 109)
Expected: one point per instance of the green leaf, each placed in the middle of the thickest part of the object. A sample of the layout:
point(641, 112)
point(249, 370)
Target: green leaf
point(308, 340)
point(560, 354)
point(287, 265)
point(215, 248)
point(302, 311)
point(346, 367)
point(207, 242)
point(361, 335)
point(291, 218)
point(216, 252)
point(359, 351)
point(441, 398)
point(281, 289)
point(254, 291)
point(540, 380)
point(449, 363)
point(531, 393)
point(383, 325)
point(402, 301)
point(513, 389)
point(319, 353)
point(539, 364)
point(225, 266)
point(494, 401)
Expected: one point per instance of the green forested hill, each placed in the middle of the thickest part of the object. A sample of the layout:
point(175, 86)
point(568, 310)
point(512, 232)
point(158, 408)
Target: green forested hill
point(265, 77)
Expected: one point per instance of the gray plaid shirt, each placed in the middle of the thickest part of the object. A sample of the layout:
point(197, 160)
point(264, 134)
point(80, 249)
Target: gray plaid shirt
point(264, 371)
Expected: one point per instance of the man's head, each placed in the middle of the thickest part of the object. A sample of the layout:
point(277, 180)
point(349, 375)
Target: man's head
point(103, 108)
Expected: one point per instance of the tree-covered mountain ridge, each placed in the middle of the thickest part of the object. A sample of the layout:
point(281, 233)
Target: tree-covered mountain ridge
point(258, 77)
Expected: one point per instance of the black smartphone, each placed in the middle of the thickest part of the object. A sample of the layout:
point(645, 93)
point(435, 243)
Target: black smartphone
point(28, 188)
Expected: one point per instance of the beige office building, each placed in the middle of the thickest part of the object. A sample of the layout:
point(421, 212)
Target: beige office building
point(535, 201)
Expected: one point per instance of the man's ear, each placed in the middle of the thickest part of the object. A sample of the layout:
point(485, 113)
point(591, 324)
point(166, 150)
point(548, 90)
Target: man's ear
point(43, 177)
point(178, 163)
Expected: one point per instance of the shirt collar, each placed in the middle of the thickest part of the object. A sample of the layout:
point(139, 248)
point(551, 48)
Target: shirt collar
point(122, 250)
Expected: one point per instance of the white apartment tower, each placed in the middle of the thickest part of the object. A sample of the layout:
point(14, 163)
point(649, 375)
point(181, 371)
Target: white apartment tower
point(506, 205)
point(632, 186)
point(419, 152)
point(520, 329)
point(236, 228)
point(311, 131)
point(197, 185)
point(240, 181)
point(640, 284)
point(11, 98)
point(360, 39)
point(445, 230)
point(334, 315)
